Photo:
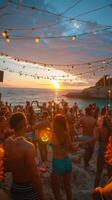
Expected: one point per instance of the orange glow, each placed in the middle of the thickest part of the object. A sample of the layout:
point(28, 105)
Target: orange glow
point(1, 163)
point(7, 39)
point(1, 152)
point(45, 135)
point(4, 34)
point(12, 80)
point(37, 39)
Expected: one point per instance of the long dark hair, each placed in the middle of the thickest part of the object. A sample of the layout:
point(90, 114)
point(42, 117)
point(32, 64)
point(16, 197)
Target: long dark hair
point(60, 129)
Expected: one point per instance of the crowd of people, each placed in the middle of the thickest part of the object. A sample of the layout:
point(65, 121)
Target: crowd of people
point(70, 129)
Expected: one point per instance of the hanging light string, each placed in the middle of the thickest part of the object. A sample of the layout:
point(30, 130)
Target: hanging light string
point(67, 77)
point(37, 68)
point(107, 63)
point(38, 76)
point(71, 7)
point(105, 60)
point(55, 14)
point(40, 27)
point(34, 8)
point(94, 10)
point(32, 28)
point(5, 36)
point(68, 36)
point(37, 39)
point(53, 24)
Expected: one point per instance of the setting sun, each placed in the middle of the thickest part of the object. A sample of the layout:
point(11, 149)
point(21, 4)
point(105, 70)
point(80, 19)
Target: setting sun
point(56, 84)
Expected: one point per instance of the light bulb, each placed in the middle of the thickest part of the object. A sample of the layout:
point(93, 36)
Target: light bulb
point(4, 34)
point(7, 39)
point(103, 61)
point(37, 39)
point(74, 37)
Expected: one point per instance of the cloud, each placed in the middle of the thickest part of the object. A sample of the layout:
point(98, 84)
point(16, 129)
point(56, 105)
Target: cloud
point(85, 49)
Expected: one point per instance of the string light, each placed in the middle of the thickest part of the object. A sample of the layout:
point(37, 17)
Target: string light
point(7, 39)
point(37, 39)
point(4, 34)
point(104, 61)
point(67, 77)
point(90, 65)
point(62, 15)
point(74, 37)
point(108, 77)
point(108, 59)
point(109, 91)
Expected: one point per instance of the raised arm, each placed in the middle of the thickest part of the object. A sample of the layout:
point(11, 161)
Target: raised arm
point(41, 124)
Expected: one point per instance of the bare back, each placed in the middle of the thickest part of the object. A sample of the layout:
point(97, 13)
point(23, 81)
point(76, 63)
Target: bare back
point(89, 124)
point(16, 149)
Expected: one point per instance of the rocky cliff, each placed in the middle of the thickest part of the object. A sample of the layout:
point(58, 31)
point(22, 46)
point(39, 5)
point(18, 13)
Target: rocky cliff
point(102, 89)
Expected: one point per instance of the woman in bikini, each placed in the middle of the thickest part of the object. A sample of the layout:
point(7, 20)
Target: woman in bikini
point(61, 164)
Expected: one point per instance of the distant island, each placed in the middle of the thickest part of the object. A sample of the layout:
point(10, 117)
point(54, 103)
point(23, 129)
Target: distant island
point(101, 90)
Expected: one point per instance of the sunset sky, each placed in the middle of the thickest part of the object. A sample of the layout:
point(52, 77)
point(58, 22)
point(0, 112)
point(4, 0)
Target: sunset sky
point(19, 20)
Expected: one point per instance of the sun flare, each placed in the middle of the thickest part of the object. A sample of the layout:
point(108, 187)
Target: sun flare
point(56, 84)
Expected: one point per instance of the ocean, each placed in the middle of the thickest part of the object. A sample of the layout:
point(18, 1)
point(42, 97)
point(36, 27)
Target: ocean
point(21, 95)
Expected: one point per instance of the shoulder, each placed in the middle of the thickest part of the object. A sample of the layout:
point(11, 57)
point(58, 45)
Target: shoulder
point(8, 140)
point(28, 145)
point(28, 150)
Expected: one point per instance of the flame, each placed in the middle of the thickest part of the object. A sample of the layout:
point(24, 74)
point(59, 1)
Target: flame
point(45, 135)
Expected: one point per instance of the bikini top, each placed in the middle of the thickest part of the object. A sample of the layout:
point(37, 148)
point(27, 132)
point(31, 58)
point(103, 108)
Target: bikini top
point(57, 147)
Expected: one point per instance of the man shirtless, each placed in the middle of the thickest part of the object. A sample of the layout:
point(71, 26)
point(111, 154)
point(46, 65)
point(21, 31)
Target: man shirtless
point(88, 124)
point(20, 160)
